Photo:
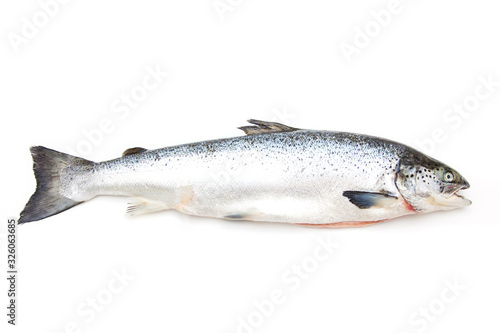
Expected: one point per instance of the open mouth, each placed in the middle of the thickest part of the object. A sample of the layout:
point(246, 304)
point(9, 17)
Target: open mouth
point(454, 189)
point(458, 194)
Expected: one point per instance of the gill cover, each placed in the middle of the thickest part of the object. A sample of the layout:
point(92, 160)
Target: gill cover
point(405, 182)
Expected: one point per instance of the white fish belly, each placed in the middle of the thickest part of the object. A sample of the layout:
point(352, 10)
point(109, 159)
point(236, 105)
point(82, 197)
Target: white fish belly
point(318, 202)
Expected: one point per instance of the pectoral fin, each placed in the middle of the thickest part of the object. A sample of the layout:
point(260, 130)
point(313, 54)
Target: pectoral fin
point(364, 200)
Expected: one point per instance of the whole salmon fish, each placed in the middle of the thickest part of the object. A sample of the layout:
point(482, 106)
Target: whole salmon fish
point(275, 173)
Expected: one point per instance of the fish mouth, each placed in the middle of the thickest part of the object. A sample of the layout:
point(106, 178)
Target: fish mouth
point(453, 189)
point(457, 197)
point(451, 196)
point(466, 201)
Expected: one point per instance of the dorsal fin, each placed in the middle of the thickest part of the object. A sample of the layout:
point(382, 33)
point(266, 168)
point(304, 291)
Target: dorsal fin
point(265, 127)
point(134, 150)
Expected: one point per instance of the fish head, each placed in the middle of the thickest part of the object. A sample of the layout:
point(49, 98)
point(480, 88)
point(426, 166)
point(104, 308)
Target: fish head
point(429, 185)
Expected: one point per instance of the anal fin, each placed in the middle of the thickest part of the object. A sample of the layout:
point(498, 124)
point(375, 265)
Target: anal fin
point(142, 206)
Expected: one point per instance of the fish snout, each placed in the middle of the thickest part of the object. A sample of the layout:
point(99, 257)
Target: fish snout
point(465, 184)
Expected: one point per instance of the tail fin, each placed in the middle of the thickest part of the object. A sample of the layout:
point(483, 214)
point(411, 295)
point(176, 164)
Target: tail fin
point(47, 201)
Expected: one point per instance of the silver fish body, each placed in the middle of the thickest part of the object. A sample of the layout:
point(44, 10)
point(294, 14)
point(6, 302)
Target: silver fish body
point(275, 173)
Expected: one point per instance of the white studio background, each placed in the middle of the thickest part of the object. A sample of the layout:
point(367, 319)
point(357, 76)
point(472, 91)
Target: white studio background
point(424, 73)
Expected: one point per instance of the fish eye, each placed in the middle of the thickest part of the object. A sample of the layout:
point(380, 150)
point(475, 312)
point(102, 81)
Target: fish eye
point(448, 176)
